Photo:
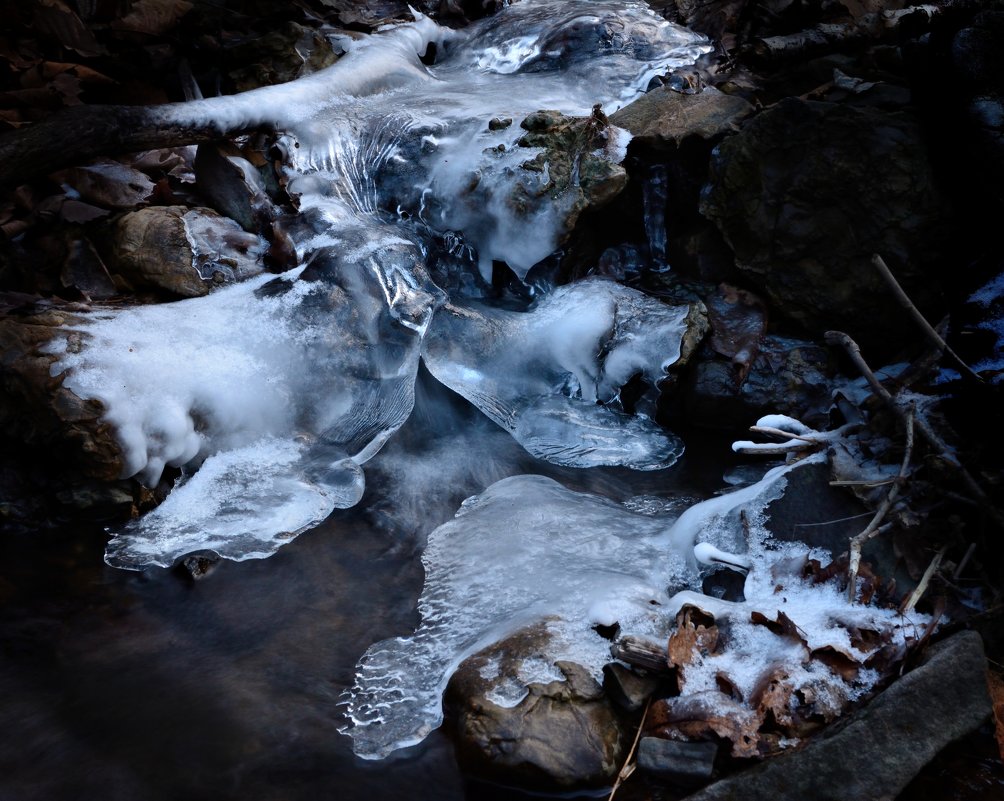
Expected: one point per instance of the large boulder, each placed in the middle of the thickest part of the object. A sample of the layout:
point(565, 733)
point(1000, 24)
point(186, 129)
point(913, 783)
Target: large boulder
point(558, 731)
point(807, 192)
point(877, 751)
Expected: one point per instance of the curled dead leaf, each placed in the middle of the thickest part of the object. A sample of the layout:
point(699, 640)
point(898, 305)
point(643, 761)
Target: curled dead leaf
point(695, 634)
point(842, 664)
point(705, 716)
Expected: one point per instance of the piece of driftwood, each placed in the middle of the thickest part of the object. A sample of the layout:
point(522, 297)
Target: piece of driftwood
point(641, 653)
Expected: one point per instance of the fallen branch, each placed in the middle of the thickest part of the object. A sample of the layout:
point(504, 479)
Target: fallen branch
point(628, 768)
point(923, 428)
point(81, 133)
point(873, 528)
point(914, 312)
point(916, 595)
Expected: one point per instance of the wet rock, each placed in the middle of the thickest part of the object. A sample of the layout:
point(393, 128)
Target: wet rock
point(578, 156)
point(976, 56)
point(37, 411)
point(664, 118)
point(710, 17)
point(521, 719)
point(876, 752)
point(199, 565)
point(183, 251)
point(499, 123)
point(779, 192)
point(233, 186)
point(787, 376)
point(280, 56)
point(628, 689)
point(675, 761)
point(729, 585)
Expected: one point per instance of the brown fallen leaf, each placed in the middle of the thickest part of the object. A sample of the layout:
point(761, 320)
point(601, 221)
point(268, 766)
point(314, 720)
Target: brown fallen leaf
point(695, 634)
point(842, 664)
point(772, 697)
point(107, 183)
point(55, 19)
point(704, 716)
point(784, 626)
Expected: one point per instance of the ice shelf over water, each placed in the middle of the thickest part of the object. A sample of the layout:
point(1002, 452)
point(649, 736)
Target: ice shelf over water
point(281, 389)
point(528, 550)
point(539, 374)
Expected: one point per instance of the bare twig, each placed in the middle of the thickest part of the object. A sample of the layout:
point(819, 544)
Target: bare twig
point(923, 428)
point(628, 768)
point(914, 312)
point(916, 595)
point(852, 483)
point(965, 561)
point(872, 529)
point(777, 432)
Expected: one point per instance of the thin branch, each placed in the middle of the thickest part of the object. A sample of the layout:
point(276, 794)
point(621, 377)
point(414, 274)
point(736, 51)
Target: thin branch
point(777, 432)
point(854, 483)
point(628, 767)
point(923, 428)
point(916, 595)
point(919, 319)
point(872, 529)
point(965, 561)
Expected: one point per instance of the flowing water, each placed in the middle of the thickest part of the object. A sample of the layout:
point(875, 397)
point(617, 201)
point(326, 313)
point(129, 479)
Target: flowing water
point(274, 394)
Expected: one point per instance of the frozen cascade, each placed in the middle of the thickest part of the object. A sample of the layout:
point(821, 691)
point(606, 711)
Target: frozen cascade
point(281, 390)
point(528, 550)
point(539, 374)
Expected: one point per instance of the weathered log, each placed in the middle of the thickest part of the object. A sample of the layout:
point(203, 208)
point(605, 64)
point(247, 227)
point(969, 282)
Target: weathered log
point(85, 132)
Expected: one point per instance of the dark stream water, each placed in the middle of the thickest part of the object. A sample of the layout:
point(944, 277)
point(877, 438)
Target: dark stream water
point(118, 685)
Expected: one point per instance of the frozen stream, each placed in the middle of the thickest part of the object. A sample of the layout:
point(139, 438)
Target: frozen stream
point(369, 391)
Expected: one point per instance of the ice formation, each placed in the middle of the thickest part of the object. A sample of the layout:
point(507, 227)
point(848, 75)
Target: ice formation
point(528, 550)
point(539, 374)
point(314, 370)
point(524, 549)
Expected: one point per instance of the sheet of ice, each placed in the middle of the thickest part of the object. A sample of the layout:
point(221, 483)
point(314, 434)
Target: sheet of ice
point(319, 364)
point(528, 550)
point(540, 374)
point(242, 504)
point(524, 549)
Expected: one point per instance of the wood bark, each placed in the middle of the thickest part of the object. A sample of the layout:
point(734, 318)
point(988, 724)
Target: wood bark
point(80, 133)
